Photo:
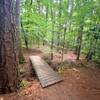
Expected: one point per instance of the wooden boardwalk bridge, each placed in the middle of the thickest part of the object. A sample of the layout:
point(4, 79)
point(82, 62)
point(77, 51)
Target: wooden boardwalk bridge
point(46, 75)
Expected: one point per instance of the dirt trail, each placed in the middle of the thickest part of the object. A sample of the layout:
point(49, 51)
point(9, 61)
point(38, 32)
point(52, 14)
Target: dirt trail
point(81, 83)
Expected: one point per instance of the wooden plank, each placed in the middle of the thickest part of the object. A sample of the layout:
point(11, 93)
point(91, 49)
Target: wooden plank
point(45, 73)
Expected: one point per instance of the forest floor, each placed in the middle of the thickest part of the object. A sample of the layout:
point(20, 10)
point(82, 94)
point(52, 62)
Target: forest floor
point(81, 80)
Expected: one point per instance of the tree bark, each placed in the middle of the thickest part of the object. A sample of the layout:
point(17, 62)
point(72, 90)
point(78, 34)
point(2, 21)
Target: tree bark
point(79, 42)
point(25, 36)
point(18, 26)
point(52, 38)
point(64, 38)
point(9, 73)
point(59, 26)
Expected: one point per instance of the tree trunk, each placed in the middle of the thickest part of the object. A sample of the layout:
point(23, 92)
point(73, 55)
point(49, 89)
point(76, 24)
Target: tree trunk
point(64, 38)
point(38, 40)
point(79, 42)
point(18, 26)
point(52, 38)
point(9, 73)
point(59, 27)
point(25, 36)
point(46, 16)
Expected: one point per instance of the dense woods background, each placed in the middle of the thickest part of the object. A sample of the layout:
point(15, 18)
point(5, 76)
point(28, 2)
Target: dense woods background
point(67, 24)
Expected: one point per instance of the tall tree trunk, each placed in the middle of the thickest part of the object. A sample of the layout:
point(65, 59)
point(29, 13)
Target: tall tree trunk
point(79, 42)
point(59, 27)
point(18, 26)
point(9, 73)
point(52, 38)
point(38, 40)
point(64, 38)
point(25, 36)
point(71, 8)
point(46, 16)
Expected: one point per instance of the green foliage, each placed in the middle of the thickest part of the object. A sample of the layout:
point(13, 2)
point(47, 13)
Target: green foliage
point(37, 22)
point(24, 84)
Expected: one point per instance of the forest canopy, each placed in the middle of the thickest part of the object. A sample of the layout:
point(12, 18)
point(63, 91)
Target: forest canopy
point(70, 24)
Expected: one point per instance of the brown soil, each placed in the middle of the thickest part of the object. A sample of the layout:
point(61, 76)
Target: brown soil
point(79, 83)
